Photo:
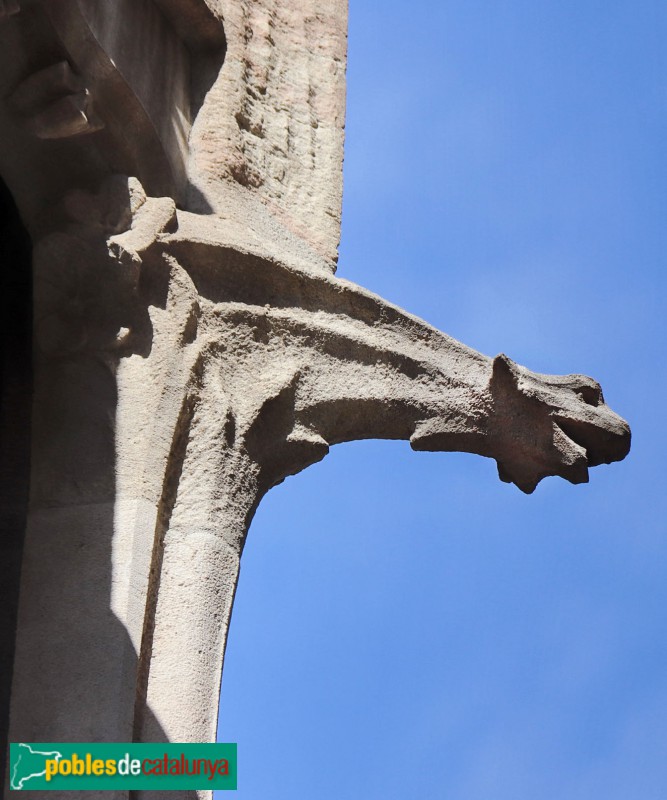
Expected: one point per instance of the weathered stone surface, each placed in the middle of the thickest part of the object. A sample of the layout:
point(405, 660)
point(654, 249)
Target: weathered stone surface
point(273, 121)
point(190, 358)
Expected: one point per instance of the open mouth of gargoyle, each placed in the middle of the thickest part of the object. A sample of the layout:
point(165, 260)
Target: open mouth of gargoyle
point(568, 451)
point(603, 443)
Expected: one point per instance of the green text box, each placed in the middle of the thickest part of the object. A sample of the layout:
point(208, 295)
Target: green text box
point(85, 766)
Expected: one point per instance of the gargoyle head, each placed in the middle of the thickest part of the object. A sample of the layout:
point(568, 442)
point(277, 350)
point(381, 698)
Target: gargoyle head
point(545, 425)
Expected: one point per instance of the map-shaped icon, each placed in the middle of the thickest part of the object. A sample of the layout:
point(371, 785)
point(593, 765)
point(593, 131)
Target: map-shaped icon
point(30, 764)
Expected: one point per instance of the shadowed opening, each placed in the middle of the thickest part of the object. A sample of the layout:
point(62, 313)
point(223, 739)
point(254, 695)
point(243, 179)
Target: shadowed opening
point(15, 406)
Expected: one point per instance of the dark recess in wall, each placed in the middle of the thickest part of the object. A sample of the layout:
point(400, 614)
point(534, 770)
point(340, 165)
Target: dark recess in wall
point(15, 410)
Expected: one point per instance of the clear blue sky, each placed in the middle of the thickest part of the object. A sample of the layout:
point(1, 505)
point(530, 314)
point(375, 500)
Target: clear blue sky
point(407, 626)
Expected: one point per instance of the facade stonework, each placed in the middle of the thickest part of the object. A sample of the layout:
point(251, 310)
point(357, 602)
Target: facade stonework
point(178, 167)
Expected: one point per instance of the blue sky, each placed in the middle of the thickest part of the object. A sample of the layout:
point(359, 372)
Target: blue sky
point(406, 625)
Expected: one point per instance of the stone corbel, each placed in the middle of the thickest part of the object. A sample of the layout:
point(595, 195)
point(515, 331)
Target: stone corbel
point(180, 374)
point(257, 367)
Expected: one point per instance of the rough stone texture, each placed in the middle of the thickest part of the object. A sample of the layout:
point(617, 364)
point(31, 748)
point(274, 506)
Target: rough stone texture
point(273, 122)
point(193, 347)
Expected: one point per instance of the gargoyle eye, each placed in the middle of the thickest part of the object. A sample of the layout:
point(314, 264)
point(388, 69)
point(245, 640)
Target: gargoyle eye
point(591, 395)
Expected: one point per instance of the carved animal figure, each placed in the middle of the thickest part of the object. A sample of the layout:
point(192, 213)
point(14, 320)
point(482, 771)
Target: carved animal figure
point(188, 359)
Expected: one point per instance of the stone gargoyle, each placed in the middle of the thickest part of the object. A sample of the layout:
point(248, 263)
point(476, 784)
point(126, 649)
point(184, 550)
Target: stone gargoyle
point(193, 346)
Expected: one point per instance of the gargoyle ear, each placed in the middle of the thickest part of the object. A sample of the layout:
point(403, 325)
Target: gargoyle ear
point(504, 373)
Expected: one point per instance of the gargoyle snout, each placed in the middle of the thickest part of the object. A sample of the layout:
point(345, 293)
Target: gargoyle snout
point(582, 414)
point(552, 425)
point(603, 434)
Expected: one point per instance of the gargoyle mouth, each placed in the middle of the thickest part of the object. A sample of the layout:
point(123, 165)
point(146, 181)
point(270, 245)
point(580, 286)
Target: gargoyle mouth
point(557, 455)
point(576, 445)
point(573, 456)
point(603, 444)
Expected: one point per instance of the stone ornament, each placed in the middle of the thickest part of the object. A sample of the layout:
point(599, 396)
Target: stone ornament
point(178, 165)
